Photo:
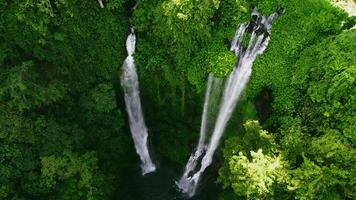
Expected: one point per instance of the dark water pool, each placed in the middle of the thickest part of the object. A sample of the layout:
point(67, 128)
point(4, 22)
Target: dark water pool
point(160, 185)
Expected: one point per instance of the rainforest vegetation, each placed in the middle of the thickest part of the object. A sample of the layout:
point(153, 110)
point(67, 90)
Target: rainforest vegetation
point(63, 126)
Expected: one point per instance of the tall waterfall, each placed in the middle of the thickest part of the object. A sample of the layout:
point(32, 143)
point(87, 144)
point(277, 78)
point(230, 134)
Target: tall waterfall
point(234, 86)
point(211, 94)
point(129, 82)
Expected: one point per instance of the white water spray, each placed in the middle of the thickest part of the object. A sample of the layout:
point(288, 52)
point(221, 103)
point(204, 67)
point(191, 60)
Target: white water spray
point(129, 82)
point(212, 92)
point(234, 86)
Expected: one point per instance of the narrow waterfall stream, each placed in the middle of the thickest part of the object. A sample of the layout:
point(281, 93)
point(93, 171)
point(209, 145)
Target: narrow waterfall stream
point(129, 82)
point(213, 88)
point(234, 86)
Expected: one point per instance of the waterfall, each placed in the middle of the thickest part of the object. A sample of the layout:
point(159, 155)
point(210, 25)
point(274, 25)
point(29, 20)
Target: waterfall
point(234, 86)
point(129, 82)
point(212, 92)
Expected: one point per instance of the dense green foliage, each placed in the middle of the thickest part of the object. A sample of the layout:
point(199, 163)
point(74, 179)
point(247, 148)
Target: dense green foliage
point(255, 165)
point(63, 133)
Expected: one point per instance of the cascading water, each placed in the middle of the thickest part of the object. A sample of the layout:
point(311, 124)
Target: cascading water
point(213, 87)
point(129, 82)
point(234, 87)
